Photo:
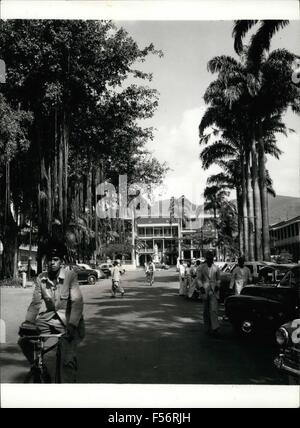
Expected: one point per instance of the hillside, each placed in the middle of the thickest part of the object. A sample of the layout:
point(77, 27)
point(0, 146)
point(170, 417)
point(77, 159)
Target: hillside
point(280, 208)
point(283, 208)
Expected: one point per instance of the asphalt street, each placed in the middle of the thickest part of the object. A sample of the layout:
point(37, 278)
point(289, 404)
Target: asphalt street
point(149, 336)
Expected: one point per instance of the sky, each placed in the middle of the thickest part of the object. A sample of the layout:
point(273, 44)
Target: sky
point(181, 77)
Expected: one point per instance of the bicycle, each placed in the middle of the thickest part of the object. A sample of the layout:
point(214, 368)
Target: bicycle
point(39, 372)
point(150, 277)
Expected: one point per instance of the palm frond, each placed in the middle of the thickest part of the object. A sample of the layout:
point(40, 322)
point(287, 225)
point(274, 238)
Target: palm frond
point(208, 119)
point(261, 41)
point(221, 63)
point(217, 151)
point(240, 29)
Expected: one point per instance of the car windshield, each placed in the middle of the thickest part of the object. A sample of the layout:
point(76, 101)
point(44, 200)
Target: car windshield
point(291, 279)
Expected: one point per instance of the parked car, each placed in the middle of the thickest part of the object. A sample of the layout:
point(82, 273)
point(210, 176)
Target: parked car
point(273, 272)
point(226, 273)
point(100, 273)
point(85, 275)
point(288, 360)
point(161, 266)
point(107, 268)
point(266, 305)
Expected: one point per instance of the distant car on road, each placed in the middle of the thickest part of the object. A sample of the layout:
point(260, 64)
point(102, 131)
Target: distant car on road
point(161, 266)
point(100, 273)
point(107, 268)
point(89, 276)
point(265, 306)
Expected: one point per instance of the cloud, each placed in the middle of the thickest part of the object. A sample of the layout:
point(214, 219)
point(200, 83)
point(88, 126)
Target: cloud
point(285, 172)
point(179, 147)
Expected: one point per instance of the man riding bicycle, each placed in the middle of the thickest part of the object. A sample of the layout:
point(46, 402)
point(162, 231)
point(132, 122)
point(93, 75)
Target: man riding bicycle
point(150, 269)
point(59, 290)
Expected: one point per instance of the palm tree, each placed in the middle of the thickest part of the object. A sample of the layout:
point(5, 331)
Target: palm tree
point(256, 112)
point(265, 71)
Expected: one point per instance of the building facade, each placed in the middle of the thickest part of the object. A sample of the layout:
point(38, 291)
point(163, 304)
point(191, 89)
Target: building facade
point(163, 241)
point(285, 236)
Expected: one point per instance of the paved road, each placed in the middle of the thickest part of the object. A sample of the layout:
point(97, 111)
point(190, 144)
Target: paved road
point(151, 335)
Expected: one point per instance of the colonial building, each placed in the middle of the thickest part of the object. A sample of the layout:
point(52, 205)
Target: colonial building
point(164, 241)
point(285, 236)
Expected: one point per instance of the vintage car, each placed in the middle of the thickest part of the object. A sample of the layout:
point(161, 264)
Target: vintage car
point(273, 272)
point(85, 275)
point(100, 273)
point(161, 266)
point(288, 360)
point(265, 305)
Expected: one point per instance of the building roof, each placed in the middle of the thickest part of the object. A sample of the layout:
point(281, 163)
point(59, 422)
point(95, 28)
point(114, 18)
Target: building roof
point(152, 221)
point(285, 223)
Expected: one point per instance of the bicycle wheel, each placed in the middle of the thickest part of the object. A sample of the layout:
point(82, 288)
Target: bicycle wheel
point(37, 375)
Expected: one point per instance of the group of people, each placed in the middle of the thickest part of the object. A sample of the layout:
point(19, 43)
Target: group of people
point(58, 288)
point(205, 278)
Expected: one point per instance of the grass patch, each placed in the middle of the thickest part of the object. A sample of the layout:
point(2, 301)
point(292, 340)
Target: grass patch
point(10, 282)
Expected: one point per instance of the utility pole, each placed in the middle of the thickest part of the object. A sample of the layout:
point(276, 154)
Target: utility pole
point(133, 238)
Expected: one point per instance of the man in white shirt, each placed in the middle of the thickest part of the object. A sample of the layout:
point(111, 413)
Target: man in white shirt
point(208, 275)
point(181, 278)
point(241, 276)
point(116, 277)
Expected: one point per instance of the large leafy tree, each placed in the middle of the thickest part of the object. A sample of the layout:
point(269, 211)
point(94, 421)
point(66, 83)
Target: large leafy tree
point(71, 77)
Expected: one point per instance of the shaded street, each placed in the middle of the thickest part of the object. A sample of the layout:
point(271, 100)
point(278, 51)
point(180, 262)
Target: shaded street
point(151, 335)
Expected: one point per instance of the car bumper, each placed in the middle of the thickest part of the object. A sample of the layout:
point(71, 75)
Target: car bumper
point(280, 364)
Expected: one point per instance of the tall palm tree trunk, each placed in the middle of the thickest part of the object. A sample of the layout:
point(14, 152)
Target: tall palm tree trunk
point(256, 202)
point(264, 201)
point(239, 200)
point(245, 211)
point(250, 211)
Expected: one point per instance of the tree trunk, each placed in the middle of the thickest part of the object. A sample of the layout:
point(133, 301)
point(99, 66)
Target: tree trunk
point(239, 202)
point(245, 210)
point(60, 176)
point(66, 162)
point(55, 166)
point(256, 202)
point(264, 201)
point(250, 212)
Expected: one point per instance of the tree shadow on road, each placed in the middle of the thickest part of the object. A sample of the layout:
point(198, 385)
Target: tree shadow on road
point(155, 336)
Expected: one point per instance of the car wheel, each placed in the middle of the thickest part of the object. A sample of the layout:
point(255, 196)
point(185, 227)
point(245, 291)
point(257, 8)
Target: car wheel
point(92, 280)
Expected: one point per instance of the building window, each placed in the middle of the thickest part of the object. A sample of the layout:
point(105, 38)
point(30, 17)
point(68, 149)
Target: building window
point(141, 231)
point(167, 231)
point(158, 231)
point(297, 229)
point(149, 231)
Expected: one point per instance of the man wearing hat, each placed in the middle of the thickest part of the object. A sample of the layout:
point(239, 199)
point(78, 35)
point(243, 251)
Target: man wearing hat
point(59, 290)
point(208, 275)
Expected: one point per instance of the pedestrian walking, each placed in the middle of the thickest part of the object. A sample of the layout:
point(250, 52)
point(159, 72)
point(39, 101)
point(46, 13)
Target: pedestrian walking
point(116, 279)
point(240, 277)
point(194, 282)
point(208, 275)
point(181, 278)
point(187, 279)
